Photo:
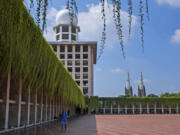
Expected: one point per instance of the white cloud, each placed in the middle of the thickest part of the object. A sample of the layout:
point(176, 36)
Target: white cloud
point(172, 3)
point(144, 80)
point(91, 24)
point(176, 37)
point(51, 21)
point(117, 70)
point(98, 69)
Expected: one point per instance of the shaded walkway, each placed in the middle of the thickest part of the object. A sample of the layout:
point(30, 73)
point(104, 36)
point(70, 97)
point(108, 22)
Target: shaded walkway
point(85, 125)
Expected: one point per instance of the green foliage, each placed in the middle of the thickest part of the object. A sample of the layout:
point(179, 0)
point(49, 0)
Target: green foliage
point(93, 102)
point(25, 52)
point(175, 95)
point(152, 95)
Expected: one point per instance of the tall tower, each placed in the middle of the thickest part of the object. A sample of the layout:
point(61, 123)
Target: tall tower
point(66, 28)
point(78, 57)
point(141, 87)
point(128, 87)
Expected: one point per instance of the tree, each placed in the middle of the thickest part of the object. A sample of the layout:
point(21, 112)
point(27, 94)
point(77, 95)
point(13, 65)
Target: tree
point(152, 95)
point(41, 10)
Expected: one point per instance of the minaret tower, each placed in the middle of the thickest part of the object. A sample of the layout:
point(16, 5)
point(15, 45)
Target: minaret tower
point(141, 87)
point(128, 87)
point(66, 29)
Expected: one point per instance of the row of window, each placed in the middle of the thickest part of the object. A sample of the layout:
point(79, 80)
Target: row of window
point(66, 36)
point(77, 63)
point(77, 76)
point(69, 48)
point(66, 29)
point(85, 83)
point(70, 56)
point(77, 69)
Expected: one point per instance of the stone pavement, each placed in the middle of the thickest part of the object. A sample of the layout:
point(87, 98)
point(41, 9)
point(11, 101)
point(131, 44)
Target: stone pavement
point(154, 124)
point(84, 125)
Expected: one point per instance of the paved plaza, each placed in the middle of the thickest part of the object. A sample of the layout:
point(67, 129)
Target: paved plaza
point(110, 125)
point(138, 124)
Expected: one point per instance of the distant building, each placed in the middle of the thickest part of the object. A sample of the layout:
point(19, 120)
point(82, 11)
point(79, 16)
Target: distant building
point(78, 56)
point(128, 87)
point(141, 87)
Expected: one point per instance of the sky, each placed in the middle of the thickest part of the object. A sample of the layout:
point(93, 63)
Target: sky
point(160, 61)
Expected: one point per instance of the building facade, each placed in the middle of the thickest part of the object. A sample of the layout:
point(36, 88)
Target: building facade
point(78, 56)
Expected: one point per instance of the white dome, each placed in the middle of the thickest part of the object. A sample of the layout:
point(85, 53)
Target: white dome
point(63, 17)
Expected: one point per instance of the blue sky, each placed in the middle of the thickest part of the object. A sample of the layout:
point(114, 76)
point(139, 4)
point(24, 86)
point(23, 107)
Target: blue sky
point(160, 62)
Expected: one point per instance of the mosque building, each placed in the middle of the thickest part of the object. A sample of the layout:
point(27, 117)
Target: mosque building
point(78, 56)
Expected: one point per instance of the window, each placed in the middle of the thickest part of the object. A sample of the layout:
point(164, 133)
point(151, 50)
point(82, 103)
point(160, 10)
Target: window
point(73, 37)
point(54, 48)
point(69, 48)
point(85, 56)
point(78, 83)
point(85, 90)
point(69, 56)
point(77, 48)
point(85, 69)
point(63, 62)
point(62, 56)
point(85, 76)
point(85, 83)
point(65, 36)
point(77, 63)
point(62, 48)
point(57, 30)
point(70, 69)
point(77, 56)
point(85, 48)
point(85, 62)
point(77, 69)
point(73, 29)
point(57, 37)
point(77, 76)
point(69, 63)
point(65, 29)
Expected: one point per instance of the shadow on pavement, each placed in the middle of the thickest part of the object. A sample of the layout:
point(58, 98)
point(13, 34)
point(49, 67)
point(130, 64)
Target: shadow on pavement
point(83, 125)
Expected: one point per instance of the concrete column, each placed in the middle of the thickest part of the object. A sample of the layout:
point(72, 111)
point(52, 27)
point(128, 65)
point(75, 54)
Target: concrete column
point(35, 108)
point(111, 110)
point(46, 108)
point(140, 106)
point(42, 107)
point(28, 106)
point(155, 111)
point(49, 109)
point(177, 109)
point(162, 109)
point(70, 31)
point(170, 110)
point(147, 108)
point(19, 103)
point(7, 100)
point(133, 109)
point(53, 108)
point(118, 109)
point(60, 33)
point(125, 109)
point(104, 110)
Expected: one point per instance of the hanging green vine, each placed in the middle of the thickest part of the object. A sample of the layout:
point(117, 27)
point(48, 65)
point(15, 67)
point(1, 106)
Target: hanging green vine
point(141, 22)
point(130, 11)
point(25, 52)
point(72, 6)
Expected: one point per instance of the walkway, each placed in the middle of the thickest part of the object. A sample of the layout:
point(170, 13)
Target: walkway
point(85, 125)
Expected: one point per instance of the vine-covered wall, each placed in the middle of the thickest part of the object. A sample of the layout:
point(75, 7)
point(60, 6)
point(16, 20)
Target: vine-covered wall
point(27, 55)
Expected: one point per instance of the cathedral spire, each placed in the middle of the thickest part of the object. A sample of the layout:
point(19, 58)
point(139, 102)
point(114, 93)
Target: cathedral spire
point(141, 87)
point(128, 87)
